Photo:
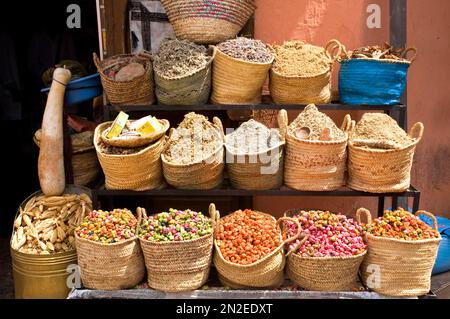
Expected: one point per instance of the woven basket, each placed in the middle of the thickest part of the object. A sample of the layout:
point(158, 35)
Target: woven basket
point(110, 267)
point(322, 273)
point(134, 92)
point(191, 89)
point(138, 172)
point(236, 81)
point(379, 170)
point(207, 21)
point(373, 81)
point(179, 265)
point(136, 141)
point(396, 267)
point(204, 174)
point(305, 89)
point(85, 167)
point(254, 171)
point(265, 273)
point(314, 165)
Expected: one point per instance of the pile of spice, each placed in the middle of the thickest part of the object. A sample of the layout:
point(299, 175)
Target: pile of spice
point(400, 224)
point(176, 225)
point(178, 58)
point(127, 69)
point(245, 237)
point(108, 227)
point(380, 129)
point(253, 137)
point(246, 49)
point(386, 51)
point(329, 235)
point(114, 150)
point(295, 58)
point(316, 121)
point(195, 139)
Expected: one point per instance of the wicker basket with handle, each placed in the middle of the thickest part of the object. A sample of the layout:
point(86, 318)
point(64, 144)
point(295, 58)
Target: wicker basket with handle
point(179, 265)
point(314, 165)
point(397, 267)
point(322, 273)
point(305, 89)
point(112, 266)
point(137, 91)
point(268, 272)
point(382, 170)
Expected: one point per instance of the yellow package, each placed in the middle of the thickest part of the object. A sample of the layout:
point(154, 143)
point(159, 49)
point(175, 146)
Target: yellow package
point(147, 125)
point(118, 125)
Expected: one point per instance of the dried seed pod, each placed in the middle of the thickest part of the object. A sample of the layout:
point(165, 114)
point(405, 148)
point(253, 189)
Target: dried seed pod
point(18, 221)
point(50, 246)
point(27, 220)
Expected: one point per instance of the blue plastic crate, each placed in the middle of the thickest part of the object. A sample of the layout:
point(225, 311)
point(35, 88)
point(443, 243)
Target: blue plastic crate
point(82, 89)
point(372, 82)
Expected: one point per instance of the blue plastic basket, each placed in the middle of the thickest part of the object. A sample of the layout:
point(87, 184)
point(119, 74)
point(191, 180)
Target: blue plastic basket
point(82, 89)
point(372, 82)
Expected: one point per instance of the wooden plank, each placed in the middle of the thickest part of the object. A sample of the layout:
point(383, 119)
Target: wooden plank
point(115, 26)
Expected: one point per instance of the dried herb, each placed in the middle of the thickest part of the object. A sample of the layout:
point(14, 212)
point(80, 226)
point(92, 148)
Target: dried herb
point(378, 52)
point(246, 49)
point(178, 58)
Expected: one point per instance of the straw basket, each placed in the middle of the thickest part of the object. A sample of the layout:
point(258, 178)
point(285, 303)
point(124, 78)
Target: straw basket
point(85, 166)
point(322, 273)
point(256, 171)
point(191, 89)
point(265, 273)
point(380, 170)
point(208, 22)
point(314, 165)
point(134, 92)
point(236, 81)
point(139, 171)
point(110, 267)
point(206, 173)
point(373, 81)
point(179, 265)
point(398, 267)
point(305, 89)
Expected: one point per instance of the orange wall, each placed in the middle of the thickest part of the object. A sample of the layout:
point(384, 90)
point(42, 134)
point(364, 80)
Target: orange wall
point(317, 21)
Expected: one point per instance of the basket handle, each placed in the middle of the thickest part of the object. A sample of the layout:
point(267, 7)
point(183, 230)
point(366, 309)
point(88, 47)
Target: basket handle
point(283, 123)
point(299, 228)
point(346, 123)
point(219, 125)
point(428, 214)
point(298, 245)
point(416, 131)
point(142, 215)
point(364, 211)
point(96, 60)
point(334, 45)
point(406, 52)
point(214, 214)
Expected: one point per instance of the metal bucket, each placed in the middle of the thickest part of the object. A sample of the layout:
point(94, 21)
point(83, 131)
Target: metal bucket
point(44, 276)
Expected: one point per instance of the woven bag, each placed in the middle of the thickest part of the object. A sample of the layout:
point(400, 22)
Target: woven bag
point(179, 265)
point(397, 267)
point(314, 165)
point(305, 89)
point(373, 81)
point(380, 170)
point(265, 273)
point(206, 173)
point(138, 172)
point(322, 273)
point(134, 92)
point(110, 267)
point(237, 81)
point(208, 21)
point(256, 171)
point(191, 89)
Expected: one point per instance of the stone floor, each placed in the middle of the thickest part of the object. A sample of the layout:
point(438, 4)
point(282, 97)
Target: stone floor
point(440, 283)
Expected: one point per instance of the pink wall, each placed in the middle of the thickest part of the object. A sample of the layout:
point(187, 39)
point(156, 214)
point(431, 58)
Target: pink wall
point(317, 21)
